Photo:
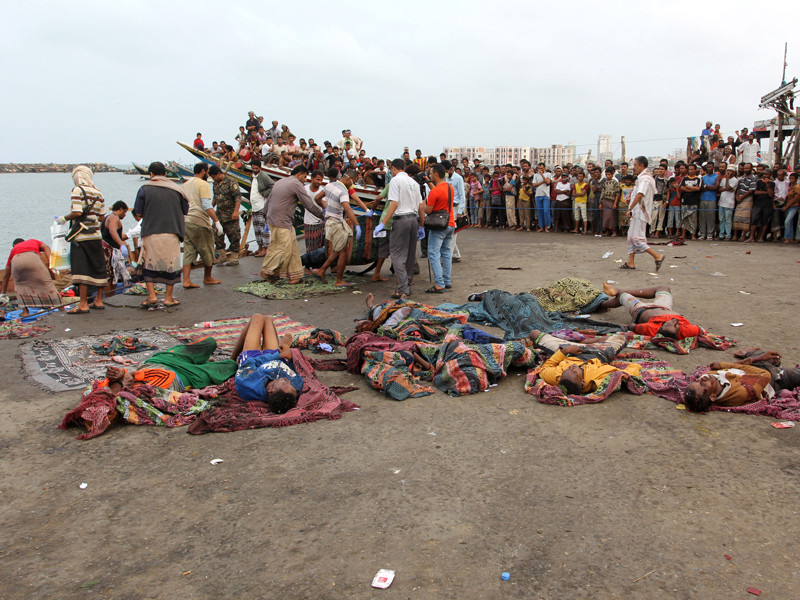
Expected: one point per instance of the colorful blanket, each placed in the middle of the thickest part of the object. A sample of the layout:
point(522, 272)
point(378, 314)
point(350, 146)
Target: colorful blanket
point(391, 313)
point(316, 402)
point(568, 295)
point(657, 377)
point(463, 367)
point(141, 404)
point(12, 330)
point(282, 290)
point(518, 314)
point(226, 332)
point(392, 373)
point(684, 346)
point(139, 289)
point(785, 405)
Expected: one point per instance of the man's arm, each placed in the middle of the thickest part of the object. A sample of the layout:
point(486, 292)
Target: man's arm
point(265, 184)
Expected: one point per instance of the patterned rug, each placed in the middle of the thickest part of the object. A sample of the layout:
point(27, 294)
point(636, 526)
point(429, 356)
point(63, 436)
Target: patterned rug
point(227, 331)
point(11, 330)
point(70, 364)
point(283, 290)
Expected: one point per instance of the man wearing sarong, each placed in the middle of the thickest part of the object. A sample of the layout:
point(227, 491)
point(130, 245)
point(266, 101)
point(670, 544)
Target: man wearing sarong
point(639, 213)
point(580, 368)
point(33, 280)
point(161, 206)
point(656, 318)
point(283, 254)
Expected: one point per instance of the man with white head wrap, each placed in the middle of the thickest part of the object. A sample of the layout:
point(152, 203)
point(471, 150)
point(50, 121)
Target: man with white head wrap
point(88, 264)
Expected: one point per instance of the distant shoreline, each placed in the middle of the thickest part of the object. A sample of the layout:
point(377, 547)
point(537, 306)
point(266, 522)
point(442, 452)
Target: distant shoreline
point(56, 167)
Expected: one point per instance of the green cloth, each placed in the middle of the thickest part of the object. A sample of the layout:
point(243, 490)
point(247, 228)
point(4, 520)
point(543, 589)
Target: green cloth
point(566, 295)
point(190, 363)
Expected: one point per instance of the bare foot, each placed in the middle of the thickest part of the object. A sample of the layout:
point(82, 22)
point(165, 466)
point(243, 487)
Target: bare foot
point(744, 352)
point(370, 300)
point(210, 281)
point(189, 285)
point(379, 278)
point(287, 339)
point(295, 281)
point(610, 290)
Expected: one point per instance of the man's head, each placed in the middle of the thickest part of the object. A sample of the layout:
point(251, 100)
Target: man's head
point(639, 164)
point(709, 167)
point(397, 165)
point(670, 329)
point(448, 166)
point(572, 380)
point(793, 179)
point(316, 178)
point(120, 209)
point(300, 172)
point(281, 395)
point(216, 173)
point(157, 168)
point(700, 394)
point(199, 135)
point(623, 168)
point(692, 170)
point(438, 173)
point(201, 170)
point(255, 164)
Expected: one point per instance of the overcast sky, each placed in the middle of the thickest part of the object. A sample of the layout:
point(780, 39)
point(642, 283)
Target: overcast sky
point(122, 81)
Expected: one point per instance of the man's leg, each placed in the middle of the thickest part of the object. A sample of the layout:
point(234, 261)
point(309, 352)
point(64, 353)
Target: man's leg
point(447, 256)
point(454, 246)
point(340, 266)
point(402, 230)
point(332, 257)
point(151, 292)
point(435, 247)
point(250, 336)
point(616, 295)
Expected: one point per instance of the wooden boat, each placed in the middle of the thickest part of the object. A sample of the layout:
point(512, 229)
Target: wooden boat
point(172, 174)
point(362, 251)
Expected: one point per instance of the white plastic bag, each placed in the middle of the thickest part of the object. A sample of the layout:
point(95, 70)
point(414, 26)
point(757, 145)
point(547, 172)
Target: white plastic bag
point(59, 249)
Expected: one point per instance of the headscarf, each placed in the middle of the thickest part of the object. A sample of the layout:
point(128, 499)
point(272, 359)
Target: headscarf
point(82, 177)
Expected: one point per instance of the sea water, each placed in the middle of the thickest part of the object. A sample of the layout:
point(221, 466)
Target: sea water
point(29, 201)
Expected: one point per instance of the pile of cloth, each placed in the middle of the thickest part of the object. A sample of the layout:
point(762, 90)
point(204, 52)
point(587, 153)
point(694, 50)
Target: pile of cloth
point(570, 294)
point(706, 339)
point(519, 314)
point(120, 345)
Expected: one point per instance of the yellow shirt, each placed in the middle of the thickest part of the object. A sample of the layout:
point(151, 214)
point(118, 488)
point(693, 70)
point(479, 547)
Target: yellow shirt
point(594, 371)
point(581, 190)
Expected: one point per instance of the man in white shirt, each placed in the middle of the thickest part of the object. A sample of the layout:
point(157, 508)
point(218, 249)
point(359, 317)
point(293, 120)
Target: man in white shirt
point(459, 202)
point(749, 151)
point(727, 201)
point(337, 231)
point(639, 213)
point(407, 209)
point(781, 193)
point(260, 188)
point(347, 136)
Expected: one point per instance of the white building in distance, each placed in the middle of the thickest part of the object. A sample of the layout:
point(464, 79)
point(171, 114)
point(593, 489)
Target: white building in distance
point(605, 148)
point(556, 154)
point(485, 155)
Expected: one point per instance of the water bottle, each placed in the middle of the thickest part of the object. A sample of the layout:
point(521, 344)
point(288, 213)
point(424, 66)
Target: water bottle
point(607, 254)
point(205, 324)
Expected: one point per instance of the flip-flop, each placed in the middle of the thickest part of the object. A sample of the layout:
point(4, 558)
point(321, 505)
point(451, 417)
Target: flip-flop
point(147, 304)
point(93, 307)
point(346, 284)
point(78, 311)
point(659, 263)
point(173, 303)
point(626, 267)
point(434, 290)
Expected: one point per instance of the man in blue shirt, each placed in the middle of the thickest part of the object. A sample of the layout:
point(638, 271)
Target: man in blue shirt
point(459, 202)
point(708, 202)
point(266, 372)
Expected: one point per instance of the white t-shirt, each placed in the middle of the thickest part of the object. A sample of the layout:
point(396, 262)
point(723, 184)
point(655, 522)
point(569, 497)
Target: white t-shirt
point(544, 189)
point(310, 219)
point(562, 187)
point(728, 199)
point(256, 199)
point(781, 191)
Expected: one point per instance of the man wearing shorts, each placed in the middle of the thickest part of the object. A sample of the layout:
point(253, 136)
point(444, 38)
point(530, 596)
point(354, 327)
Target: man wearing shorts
point(265, 371)
point(654, 318)
point(337, 230)
point(199, 237)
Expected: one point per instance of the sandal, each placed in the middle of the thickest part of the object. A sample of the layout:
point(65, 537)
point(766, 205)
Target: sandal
point(101, 307)
point(659, 262)
point(434, 290)
point(346, 284)
point(397, 296)
point(626, 267)
point(173, 303)
point(78, 311)
point(148, 304)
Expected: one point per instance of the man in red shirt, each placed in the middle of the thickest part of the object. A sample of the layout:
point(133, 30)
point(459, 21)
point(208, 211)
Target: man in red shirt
point(440, 241)
point(199, 144)
point(651, 319)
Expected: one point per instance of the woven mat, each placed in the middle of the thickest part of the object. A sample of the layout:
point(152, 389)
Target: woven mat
point(68, 364)
point(311, 286)
point(227, 331)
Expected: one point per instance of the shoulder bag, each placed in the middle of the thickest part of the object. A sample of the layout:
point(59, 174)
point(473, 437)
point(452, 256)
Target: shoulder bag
point(440, 219)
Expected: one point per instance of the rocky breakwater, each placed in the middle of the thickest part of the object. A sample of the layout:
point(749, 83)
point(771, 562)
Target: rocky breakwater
point(55, 167)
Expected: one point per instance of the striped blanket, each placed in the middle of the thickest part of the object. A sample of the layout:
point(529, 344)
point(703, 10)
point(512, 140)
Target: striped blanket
point(658, 377)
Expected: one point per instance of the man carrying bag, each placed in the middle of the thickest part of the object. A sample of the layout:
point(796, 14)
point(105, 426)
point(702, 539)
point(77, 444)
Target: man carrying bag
point(440, 223)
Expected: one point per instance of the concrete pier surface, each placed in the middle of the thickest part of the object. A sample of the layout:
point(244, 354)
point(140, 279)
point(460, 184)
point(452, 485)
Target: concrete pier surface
point(629, 498)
